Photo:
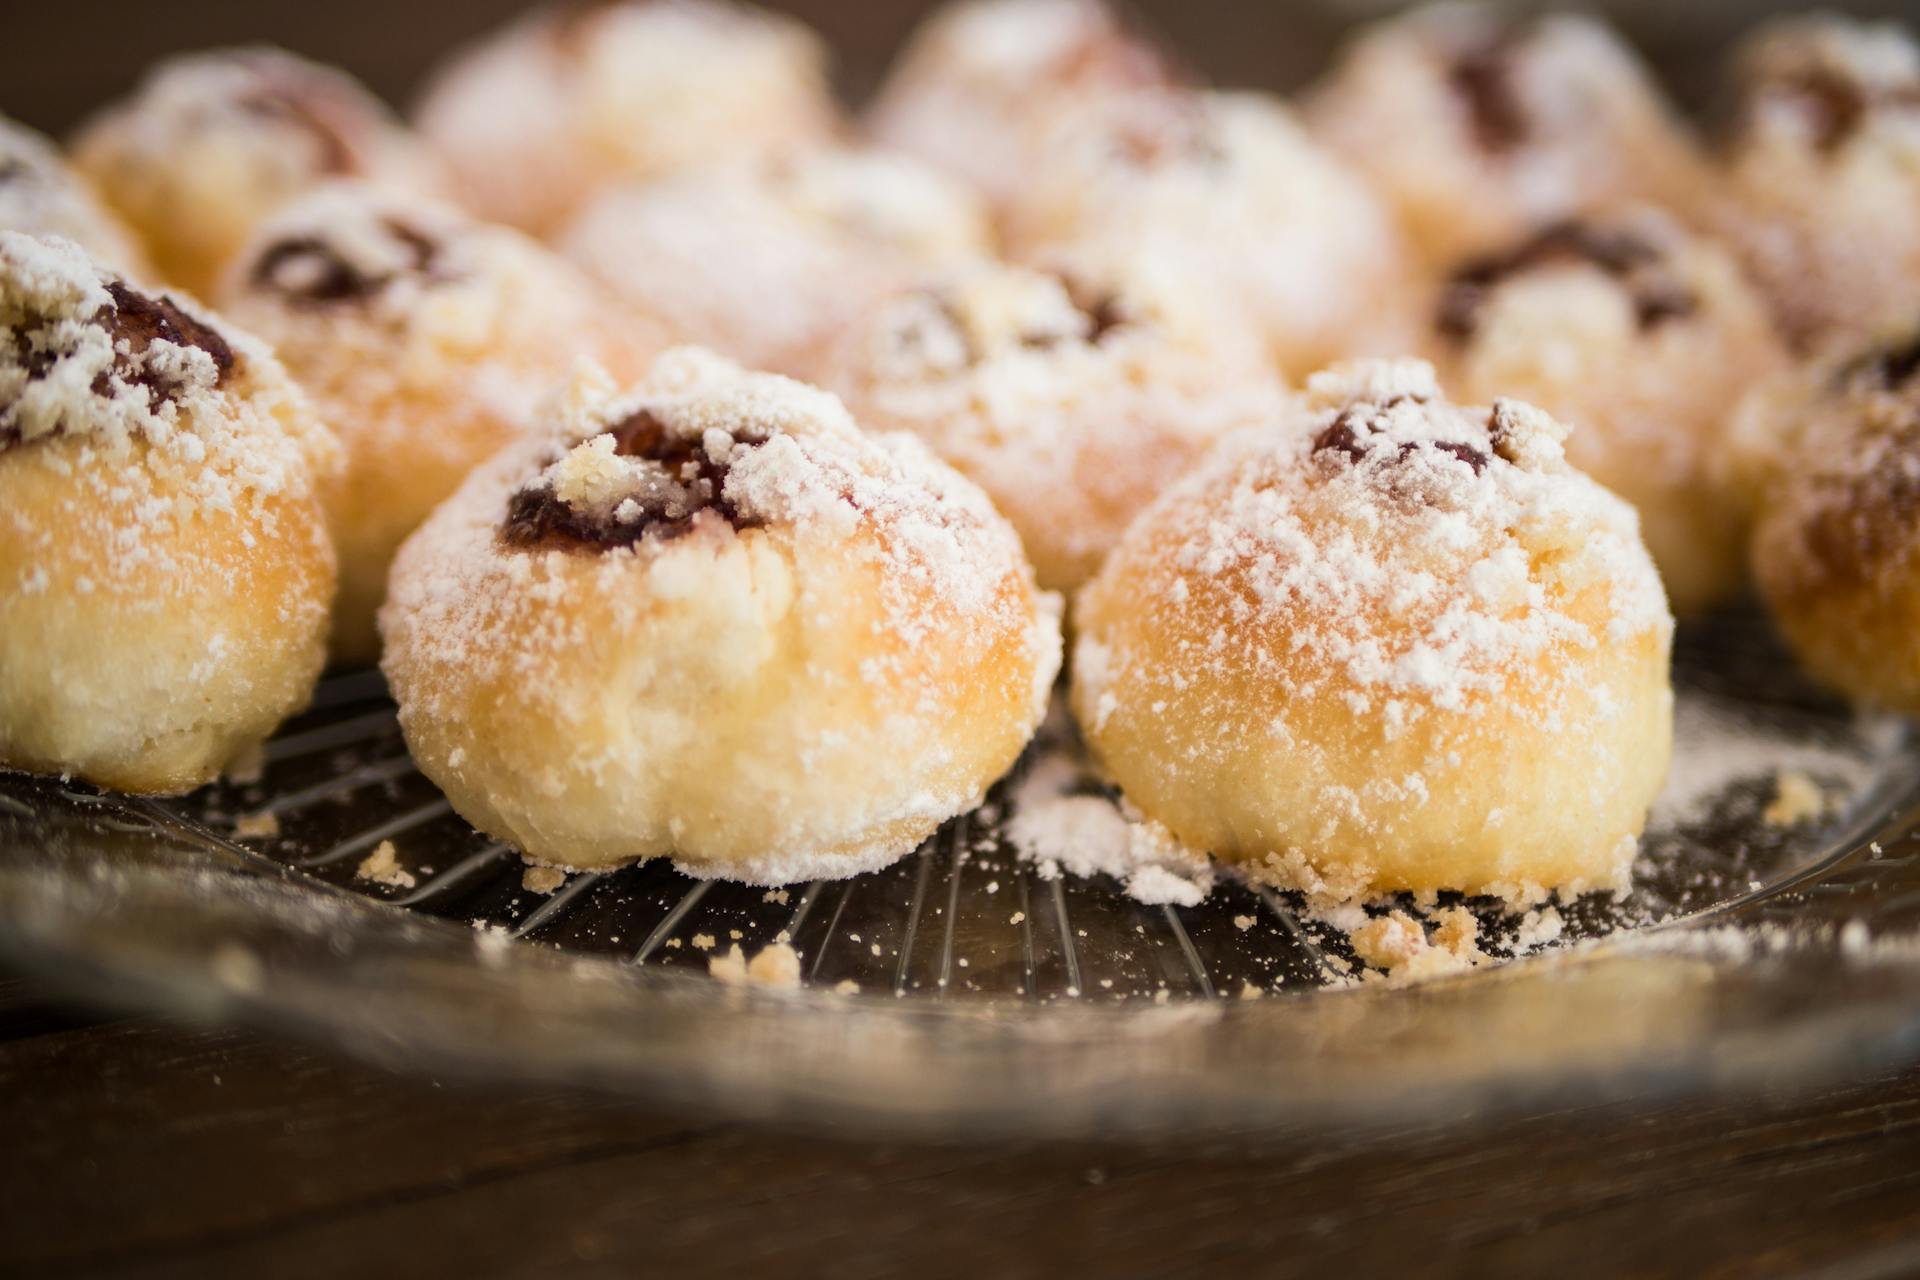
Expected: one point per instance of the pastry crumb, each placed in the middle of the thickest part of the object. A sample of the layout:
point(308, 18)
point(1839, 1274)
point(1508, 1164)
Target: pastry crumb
point(1398, 945)
point(846, 987)
point(257, 826)
point(1388, 941)
point(1537, 929)
point(775, 895)
point(381, 867)
point(704, 941)
point(542, 880)
point(1796, 799)
point(1243, 923)
point(776, 965)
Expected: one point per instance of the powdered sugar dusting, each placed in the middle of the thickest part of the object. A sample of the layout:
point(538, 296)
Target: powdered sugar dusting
point(1054, 822)
point(854, 580)
point(39, 195)
point(1072, 395)
point(770, 260)
point(66, 370)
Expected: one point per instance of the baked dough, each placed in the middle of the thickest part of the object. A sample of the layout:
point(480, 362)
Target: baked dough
point(981, 80)
point(1072, 396)
point(164, 565)
point(1480, 125)
point(1231, 188)
point(1834, 452)
point(41, 196)
point(1390, 645)
point(538, 117)
point(428, 341)
point(711, 619)
point(1822, 174)
point(769, 260)
point(211, 143)
point(1645, 338)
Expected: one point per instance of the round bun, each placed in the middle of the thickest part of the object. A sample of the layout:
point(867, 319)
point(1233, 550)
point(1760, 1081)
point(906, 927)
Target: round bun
point(1231, 188)
point(164, 565)
point(428, 341)
point(1480, 125)
point(769, 260)
point(980, 81)
point(713, 620)
point(210, 143)
point(1835, 458)
point(538, 117)
point(1644, 337)
point(1823, 174)
point(41, 196)
point(1072, 396)
point(1389, 645)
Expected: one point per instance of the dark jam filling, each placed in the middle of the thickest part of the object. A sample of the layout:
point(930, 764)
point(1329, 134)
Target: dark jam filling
point(1485, 77)
point(1834, 105)
point(1869, 520)
point(1104, 311)
point(538, 519)
point(309, 269)
point(1888, 368)
point(135, 321)
point(1180, 132)
point(1638, 264)
point(306, 108)
point(1354, 435)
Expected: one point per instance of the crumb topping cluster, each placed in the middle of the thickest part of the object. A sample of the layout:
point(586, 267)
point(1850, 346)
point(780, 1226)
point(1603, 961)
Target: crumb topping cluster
point(704, 443)
point(963, 323)
point(1828, 81)
point(638, 478)
point(1403, 547)
point(257, 90)
point(82, 351)
point(1628, 255)
point(350, 252)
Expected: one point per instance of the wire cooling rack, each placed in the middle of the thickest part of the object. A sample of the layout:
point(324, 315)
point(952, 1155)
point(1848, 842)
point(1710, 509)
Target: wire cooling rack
point(961, 985)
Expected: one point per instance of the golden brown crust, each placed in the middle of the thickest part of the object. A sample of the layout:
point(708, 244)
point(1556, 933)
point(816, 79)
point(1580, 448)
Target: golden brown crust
point(1392, 645)
point(806, 690)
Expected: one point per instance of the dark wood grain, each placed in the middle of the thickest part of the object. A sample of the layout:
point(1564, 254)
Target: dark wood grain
point(134, 1148)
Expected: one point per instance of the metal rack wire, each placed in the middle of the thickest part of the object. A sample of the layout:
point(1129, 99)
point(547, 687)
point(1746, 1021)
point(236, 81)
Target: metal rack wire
point(961, 917)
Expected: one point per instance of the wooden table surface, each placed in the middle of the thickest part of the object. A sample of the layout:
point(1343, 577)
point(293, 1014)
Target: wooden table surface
point(133, 1148)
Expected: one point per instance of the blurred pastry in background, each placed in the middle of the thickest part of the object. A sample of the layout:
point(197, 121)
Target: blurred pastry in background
point(42, 196)
point(1822, 174)
point(1390, 644)
point(769, 260)
point(980, 81)
point(537, 118)
point(1480, 125)
point(428, 341)
point(1229, 187)
point(165, 572)
point(1835, 449)
point(210, 143)
point(712, 619)
point(1642, 336)
point(1072, 395)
